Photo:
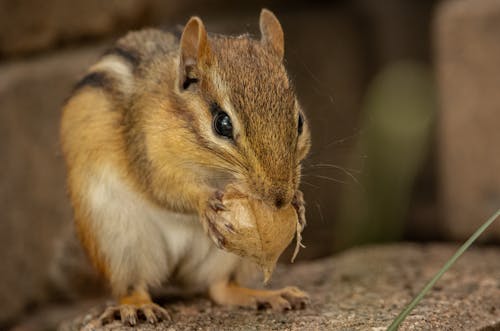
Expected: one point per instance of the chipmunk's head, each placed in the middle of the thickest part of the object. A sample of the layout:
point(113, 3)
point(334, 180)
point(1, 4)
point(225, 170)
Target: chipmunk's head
point(252, 122)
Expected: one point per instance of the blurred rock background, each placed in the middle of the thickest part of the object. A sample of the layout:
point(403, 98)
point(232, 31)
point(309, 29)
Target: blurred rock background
point(402, 97)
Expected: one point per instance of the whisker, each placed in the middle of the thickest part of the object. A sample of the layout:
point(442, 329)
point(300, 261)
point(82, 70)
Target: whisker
point(303, 181)
point(320, 88)
point(330, 179)
point(344, 139)
point(344, 170)
point(329, 165)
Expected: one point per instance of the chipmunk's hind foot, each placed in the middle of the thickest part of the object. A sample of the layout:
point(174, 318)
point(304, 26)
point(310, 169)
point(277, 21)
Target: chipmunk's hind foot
point(133, 314)
point(288, 298)
point(130, 315)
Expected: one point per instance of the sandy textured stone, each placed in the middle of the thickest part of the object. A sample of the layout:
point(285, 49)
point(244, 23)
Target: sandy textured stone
point(468, 53)
point(33, 205)
point(29, 25)
point(361, 289)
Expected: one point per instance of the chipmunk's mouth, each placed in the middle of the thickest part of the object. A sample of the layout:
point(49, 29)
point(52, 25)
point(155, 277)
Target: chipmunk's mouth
point(276, 194)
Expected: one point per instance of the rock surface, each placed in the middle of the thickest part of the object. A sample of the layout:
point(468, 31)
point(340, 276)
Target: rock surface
point(360, 289)
point(468, 53)
point(33, 205)
point(27, 26)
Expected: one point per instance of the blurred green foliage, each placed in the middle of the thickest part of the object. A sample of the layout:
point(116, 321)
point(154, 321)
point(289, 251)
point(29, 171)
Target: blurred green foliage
point(398, 116)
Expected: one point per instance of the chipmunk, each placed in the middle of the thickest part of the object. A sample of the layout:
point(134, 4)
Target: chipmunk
point(151, 136)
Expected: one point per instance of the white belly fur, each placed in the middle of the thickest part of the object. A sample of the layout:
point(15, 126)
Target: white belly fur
point(145, 245)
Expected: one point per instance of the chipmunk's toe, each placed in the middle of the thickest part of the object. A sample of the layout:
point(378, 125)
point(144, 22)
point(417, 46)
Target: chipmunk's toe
point(154, 313)
point(288, 298)
point(212, 221)
point(298, 299)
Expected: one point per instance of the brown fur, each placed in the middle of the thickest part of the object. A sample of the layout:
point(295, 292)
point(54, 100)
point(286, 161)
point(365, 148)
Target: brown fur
point(159, 137)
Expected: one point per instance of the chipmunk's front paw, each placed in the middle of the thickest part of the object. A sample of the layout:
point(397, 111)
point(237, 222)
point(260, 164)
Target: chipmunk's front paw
point(130, 315)
point(213, 223)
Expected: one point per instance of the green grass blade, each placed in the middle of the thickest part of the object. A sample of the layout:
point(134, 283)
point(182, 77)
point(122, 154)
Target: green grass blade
point(400, 318)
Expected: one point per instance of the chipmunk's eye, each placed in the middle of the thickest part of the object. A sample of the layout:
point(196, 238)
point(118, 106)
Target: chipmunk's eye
point(223, 125)
point(188, 82)
point(300, 124)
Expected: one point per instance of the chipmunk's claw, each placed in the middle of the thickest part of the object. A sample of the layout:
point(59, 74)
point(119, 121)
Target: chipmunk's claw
point(216, 235)
point(298, 299)
point(212, 220)
point(215, 202)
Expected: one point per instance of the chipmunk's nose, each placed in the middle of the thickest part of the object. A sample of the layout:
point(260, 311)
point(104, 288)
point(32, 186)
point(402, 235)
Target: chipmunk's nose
point(279, 202)
point(280, 197)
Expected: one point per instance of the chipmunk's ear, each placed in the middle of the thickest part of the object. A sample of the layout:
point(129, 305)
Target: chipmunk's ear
point(271, 32)
point(194, 52)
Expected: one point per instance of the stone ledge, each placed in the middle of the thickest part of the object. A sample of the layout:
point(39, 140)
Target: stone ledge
point(467, 52)
point(361, 289)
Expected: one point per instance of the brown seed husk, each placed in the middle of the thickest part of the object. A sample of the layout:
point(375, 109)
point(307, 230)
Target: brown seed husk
point(260, 232)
